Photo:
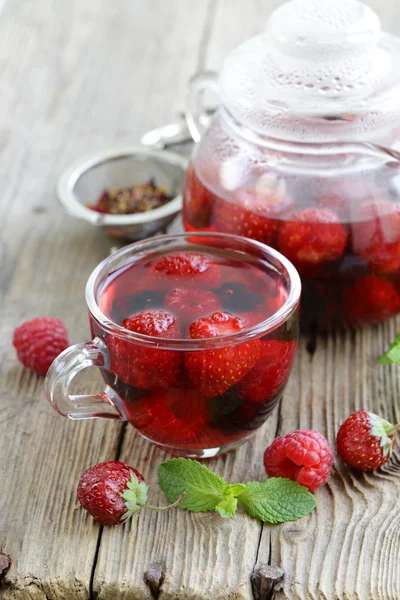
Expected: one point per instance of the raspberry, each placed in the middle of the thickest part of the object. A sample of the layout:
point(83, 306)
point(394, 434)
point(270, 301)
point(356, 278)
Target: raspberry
point(191, 304)
point(304, 456)
point(186, 269)
point(39, 342)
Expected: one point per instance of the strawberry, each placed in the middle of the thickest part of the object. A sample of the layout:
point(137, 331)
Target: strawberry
point(111, 492)
point(371, 299)
point(186, 269)
point(191, 304)
point(214, 371)
point(312, 236)
point(376, 236)
point(248, 217)
point(365, 441)
point(199, 201)
point(270, 373)
point(143, 366)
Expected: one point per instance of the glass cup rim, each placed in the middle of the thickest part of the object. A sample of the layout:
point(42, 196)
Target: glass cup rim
point(253, 332)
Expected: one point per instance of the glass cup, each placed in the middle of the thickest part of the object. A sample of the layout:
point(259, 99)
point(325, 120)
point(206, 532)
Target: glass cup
point(177, 415)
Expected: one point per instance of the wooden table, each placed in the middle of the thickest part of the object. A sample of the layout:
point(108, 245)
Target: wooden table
point(77, 76)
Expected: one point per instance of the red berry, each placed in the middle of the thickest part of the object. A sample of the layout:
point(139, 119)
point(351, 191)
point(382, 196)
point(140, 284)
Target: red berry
point(215, 371)
point(371, 299)
point(191, 304)
point(39, 342)
point(270, 373)
point(199, 201)
point(188, 269)
point(174, 417)
point(312, 236)
point(247, 216)
point(365, 441)
point(142, 366)
point(376, 236)
point(101, 487)
point(304, 456)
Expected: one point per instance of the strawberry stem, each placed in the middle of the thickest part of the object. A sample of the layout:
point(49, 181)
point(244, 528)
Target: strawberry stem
point(393, 429)
point(164, 508)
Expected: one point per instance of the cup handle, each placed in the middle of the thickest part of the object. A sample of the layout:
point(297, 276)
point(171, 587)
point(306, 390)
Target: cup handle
point(69, 363)
point(195, 113)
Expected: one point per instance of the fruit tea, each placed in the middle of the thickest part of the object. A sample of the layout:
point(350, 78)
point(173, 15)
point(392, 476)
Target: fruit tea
point(193, 380)
point(342, 236)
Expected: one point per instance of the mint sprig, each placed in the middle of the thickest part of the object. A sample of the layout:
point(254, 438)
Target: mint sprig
point(392, 355)
point(275, 500)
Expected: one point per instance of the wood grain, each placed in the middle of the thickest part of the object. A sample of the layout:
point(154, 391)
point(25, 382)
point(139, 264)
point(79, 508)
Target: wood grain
point(75, 77)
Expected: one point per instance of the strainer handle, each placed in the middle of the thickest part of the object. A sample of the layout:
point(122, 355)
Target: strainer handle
point(196, 115)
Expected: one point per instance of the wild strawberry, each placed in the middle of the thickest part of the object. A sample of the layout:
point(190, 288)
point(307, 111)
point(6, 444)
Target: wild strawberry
point(216, 370)
point(191, 304)
point(376, 236)
point(312, 236)
point(143, 366)
point(270, 373)
point(365, 441)
point(304, 456)
point(39, 342)
point(248, 217)
point(112, 492)
point(371, 299)
point(186, 269)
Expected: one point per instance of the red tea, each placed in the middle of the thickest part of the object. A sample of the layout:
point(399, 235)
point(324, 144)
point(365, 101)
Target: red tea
point(190, 378)
point(343, 238)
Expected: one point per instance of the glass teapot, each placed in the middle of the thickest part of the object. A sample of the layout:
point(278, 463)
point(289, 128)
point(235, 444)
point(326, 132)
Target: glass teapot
point(301, 155)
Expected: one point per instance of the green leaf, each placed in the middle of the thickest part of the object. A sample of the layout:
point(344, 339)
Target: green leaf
point(203, 489)
point(235, 489)
point(227, 507)
point(392, 355)
point(276, 500)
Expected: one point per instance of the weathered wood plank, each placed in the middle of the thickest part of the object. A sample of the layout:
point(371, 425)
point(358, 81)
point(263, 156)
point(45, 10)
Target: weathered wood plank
point(349, 547)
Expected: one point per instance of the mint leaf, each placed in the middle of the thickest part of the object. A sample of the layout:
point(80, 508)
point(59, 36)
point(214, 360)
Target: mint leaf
point(203, 489)
point(235, 489)
point(227, 507)
point(392, 355)
point(276, 500)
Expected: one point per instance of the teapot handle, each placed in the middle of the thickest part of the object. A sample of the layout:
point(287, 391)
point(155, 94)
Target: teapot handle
point(196, 115)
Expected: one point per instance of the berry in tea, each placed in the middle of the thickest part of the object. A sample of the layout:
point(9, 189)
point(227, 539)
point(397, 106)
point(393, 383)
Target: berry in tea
point(214, 393)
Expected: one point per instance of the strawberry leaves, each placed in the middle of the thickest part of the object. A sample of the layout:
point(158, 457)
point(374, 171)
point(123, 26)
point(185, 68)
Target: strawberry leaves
point(274, 501)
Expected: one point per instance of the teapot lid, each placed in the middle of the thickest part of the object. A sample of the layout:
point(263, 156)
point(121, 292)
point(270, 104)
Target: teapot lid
point(322, 71)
